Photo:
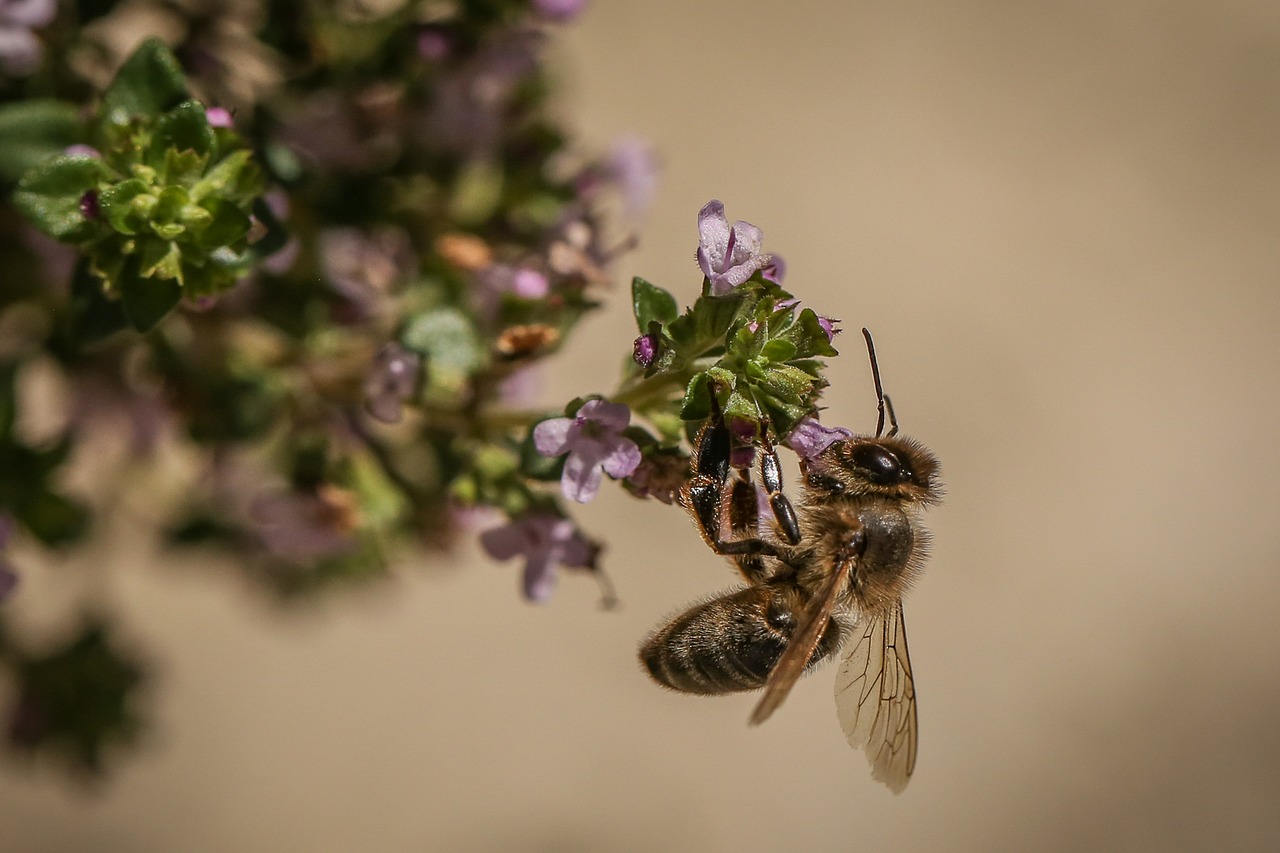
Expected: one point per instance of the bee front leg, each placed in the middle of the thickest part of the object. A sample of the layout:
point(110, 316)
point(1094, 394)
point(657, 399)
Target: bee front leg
point(708, 490)
point(771, 474)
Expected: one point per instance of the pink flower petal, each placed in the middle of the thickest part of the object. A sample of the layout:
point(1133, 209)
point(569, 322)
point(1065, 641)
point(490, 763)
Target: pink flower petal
point(551, 437)
point(505, 542)
point(613, 416)
point(713, 231)
point(623, 458)
point(581, 479)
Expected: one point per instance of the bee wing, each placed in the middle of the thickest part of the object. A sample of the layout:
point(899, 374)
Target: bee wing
point(791, 665)
point(876, 698)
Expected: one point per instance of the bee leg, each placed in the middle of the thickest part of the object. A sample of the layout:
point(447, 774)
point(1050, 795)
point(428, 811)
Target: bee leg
point(706, 492)
point(771, 474)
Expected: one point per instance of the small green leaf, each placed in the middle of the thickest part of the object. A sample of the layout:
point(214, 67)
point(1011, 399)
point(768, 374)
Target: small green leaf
point(809, 337)
point(146, 300)
point(161, 259)
point(49, 195)
point(33, 131)
point(651, 304)
point(702, 328)
point(779, 350)
point(234, 178)
point(184, 128)
point(228, 225)
point(149, 83)
point(117, 205)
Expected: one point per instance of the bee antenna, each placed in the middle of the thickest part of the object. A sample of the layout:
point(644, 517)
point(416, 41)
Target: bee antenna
point(875, 374)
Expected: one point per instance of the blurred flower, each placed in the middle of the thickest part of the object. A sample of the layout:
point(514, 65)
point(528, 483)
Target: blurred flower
point(365, 267)
point(391, 382)
point(468, 113)
point(545, 541)
point(633, 165)
point(809, 438)
point(560, 11)
point(219, 117)
point(595, 444)
point(304, 527)
point(728, 256)
point(20, 48)
point(521, 387)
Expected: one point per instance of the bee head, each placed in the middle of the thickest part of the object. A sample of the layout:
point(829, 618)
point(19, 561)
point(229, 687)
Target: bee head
point(888, 466)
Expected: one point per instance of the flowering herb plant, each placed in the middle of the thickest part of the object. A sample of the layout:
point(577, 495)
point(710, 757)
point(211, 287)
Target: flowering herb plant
point(312, 263)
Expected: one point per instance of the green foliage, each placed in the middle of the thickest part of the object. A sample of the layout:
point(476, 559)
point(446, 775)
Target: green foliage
point(164, 213)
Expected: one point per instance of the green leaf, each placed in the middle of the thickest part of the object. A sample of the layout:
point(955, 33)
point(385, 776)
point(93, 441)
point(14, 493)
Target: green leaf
point(228, 226)
point(49, 195)
point(148, 84)
point(779, 350)
point(53, 519)
point(787, 383)
point(146, 300)
point(116, 204)
point(651, 304)
point(808, 336)
point(184, 128)
point(160, 259)
point(703, 327)
point(93, 315)
point(445, 335)
point(235, 178)
point(32, 131)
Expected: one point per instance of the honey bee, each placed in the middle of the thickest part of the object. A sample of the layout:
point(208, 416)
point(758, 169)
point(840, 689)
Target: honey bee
point(832, 574)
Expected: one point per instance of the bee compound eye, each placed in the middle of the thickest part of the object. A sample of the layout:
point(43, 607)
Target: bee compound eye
point(879, 462)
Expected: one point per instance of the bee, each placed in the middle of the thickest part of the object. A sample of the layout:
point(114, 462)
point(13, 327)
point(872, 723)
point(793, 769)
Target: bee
point(832, 574)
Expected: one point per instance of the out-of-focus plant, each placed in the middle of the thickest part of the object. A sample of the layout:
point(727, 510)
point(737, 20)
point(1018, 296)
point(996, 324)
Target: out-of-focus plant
point(311, 258)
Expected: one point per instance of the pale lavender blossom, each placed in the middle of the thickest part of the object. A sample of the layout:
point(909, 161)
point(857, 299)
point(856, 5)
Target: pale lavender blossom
point(300, 527)
point(529, 284)
point(522, 386)
point(20, 48)
point(82, 150)
point(545, 541)
point(728, 255)
point(365, 267)
point(391, 382)
point(633, 165)
point(809, 438)
point(560, 11)
point(595, 444)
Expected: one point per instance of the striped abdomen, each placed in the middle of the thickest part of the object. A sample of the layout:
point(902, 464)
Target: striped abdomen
point(730, 643)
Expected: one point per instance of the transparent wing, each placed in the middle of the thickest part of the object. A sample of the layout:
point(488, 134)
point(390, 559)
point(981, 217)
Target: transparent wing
point(876, 699)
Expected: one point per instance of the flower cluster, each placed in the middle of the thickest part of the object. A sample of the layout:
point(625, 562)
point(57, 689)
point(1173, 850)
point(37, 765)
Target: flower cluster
point(323, 257)
point(331, 293)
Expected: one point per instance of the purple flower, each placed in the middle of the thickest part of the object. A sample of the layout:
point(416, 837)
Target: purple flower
point(728, 256)
point(304, 527)
point(89, 205)
point(645, 350)
point(545, 541)
point(595, 444)
point(392, 381)
point(633, 166)
point(364, 267)
point(219, 117)
point(20, 49)
point(559, 11)
point(809, 438)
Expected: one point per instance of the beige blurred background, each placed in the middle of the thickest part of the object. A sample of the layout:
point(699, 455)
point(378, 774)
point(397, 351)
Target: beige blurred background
point(1060, 219)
